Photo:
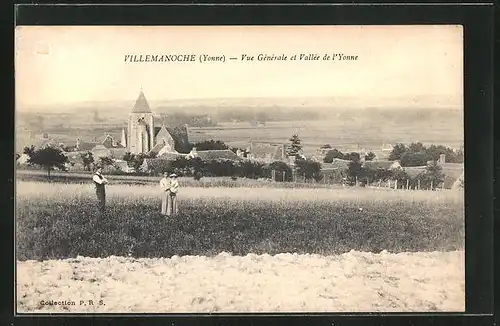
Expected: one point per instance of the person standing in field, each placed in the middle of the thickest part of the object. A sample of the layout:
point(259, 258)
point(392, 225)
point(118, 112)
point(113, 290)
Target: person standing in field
point(100, 181)
point(172, 208)
point(165, 187)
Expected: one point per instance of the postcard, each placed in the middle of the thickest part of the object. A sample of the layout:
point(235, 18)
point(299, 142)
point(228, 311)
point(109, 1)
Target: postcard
point(237, 169)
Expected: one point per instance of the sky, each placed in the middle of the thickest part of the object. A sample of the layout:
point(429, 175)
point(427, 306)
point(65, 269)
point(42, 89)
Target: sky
point(63, 65)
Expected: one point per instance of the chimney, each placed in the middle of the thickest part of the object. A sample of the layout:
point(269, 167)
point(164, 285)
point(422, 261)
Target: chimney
point(442, 158)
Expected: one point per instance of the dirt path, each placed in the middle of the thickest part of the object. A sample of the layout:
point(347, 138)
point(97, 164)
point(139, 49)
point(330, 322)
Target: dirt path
point(351, 282)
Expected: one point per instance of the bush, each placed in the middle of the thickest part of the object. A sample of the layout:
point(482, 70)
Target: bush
point(252, 170)
point(280, 168)
point(309, 169)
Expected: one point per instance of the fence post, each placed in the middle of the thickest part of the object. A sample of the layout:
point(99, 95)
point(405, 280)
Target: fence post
point(396, 184)
point(432, 186)
point(418, 184)
point(407, 184)
point(284, 173)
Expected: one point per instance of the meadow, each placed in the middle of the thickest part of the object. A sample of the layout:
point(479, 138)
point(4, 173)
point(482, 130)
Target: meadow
point(57, 221)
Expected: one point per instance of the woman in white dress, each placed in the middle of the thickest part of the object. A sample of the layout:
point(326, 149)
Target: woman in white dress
point(165, 187)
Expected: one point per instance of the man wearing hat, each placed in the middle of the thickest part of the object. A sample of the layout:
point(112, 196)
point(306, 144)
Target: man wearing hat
point(99, 182)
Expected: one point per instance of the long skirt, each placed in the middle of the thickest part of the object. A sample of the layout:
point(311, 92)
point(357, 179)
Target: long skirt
point(168, 204)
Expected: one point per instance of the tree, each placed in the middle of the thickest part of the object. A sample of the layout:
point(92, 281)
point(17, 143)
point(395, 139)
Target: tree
point(416, 147)
point(211, 145)
point(106, 161)
point(283, 170)
point(370, 156)
point(397, 152)
point(48, 158)
point(353, 156)
point(400, 176)
point(354, 171)
point(29, 150)
point(197, 167)
point(433, 175)
point(136, 161)
point(128, 157)
point(452, 156)
point(87, 159)
point(414, 159)
point(333, 154)
point(295, 147)
point(252, 170)
point(309, 169)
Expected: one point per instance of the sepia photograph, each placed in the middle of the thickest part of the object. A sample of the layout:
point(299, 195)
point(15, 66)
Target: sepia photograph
point(239, 169)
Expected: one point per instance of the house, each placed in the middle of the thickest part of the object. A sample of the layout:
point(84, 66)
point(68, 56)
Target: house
point(23, 159)
point(83, 146)
point(218, 154)
point(75, 161)
point(336, 164)
point(267, 152)
point(387, 147)
point(380, 164)
point(156, 165)
point(170, 156)
point(101, 151)
point(321, 152)
point(164, 161)
point(209, 155)
point(123, 166)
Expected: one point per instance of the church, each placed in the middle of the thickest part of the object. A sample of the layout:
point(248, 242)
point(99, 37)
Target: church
point(146, 133)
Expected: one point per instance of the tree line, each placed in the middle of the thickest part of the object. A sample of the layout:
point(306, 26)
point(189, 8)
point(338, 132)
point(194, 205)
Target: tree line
point(430, 177)
point(356, 173)
point(417, 154)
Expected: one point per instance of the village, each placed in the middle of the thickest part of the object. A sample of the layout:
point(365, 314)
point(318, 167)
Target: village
point(158, 146)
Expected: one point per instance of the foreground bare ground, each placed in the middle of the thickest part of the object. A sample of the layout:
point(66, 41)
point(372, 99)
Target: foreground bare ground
point(352, 282)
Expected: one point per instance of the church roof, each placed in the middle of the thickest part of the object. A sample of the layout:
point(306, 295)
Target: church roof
point(157, 148)
point(141, 104)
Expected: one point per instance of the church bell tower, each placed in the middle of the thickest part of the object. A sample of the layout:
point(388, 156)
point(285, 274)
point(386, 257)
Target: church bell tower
point(140, 127)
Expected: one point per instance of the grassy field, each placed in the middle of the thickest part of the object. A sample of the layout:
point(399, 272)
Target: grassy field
point(56, 220)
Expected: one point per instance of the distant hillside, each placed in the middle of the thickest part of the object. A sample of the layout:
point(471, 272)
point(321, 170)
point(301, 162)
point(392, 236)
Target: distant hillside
point(223, 104)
